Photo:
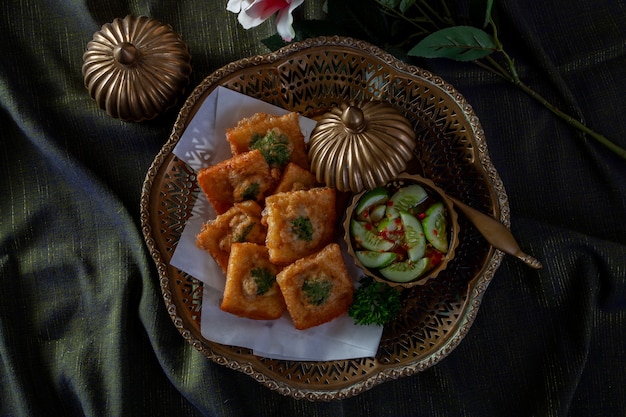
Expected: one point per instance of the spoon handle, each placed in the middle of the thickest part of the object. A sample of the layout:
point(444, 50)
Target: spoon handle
point(496, 233)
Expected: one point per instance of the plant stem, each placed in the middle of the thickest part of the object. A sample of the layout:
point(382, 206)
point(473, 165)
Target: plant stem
point(574, 122)
point(445, 20)
point(412, 21)
point(426, 15)
point(448, 15)
point(511, 76)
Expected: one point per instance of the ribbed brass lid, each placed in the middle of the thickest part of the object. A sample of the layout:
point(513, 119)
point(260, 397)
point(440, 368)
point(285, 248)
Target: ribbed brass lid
point(135, 68)
point(357, 146)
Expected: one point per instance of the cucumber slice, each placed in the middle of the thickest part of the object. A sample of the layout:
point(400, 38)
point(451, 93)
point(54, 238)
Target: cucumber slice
point(436, 227)
point(405, 198)
point(373, 259)
point(413, 236)
point(372, 198)
point(392, 212)
point(404, 271)
point(377, 213)
point(391, 229)
point(367, 239)
point(388, 225)
point(409, 196)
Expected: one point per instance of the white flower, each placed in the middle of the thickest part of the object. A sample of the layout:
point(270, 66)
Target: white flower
point(252, 13)
point(236, 6)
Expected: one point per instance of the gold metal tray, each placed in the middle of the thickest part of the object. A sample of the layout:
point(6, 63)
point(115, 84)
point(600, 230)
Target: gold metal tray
point(310, 77)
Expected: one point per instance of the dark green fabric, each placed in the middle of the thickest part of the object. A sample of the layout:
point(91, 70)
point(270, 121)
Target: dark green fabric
point(83, 327)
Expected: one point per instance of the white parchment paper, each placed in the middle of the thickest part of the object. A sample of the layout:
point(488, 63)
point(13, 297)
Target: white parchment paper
point(204, 143)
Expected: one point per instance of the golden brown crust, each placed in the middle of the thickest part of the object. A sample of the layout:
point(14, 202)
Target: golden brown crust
point(290, 223)
point(326, 265)
point(295, 178)
point(248, 264)
point(242, 222)
point(282, 213)
point(240, 136)
point(245, 176)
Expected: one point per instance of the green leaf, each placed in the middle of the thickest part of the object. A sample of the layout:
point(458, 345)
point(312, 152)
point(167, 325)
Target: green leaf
point(274, 42)
point(405, 4)
point(392, 4)
point(488, 12)
point(460, 43)
point(480, 12)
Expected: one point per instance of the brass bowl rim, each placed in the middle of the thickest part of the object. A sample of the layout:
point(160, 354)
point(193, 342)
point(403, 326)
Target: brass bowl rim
point(284, 377)
point(453, 226)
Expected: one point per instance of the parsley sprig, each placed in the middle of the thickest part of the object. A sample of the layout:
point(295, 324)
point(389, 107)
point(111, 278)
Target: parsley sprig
point(302, 228)
point(251, 192)
point(374, 303)
point(274, 147)
point(264, 279)
point(243, 234)
point(317, 290)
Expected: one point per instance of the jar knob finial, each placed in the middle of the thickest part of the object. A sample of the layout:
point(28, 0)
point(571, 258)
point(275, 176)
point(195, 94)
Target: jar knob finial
point(354, 119)
point(126, 54)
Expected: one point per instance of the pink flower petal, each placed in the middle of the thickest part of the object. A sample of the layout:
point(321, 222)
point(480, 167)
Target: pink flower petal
point(284, 21)
point(236, 6)
point(252, 13)
point(263, 9)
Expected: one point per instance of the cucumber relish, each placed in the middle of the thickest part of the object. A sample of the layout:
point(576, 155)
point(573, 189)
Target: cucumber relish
point(400, 232)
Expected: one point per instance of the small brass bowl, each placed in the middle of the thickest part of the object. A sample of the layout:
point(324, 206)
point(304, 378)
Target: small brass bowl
point(435, 194)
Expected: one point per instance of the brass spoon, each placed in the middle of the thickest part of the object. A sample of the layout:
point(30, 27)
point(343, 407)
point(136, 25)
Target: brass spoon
point(497, 234)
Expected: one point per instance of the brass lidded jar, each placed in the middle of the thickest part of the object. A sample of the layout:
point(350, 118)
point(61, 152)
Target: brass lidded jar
point(357, 146)
point(135, 68)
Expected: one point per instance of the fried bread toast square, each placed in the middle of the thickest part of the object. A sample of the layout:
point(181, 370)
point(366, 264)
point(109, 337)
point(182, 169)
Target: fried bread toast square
point(251, 290)
point(317, 288)
point(240, 223)
point(299, 223)
point(245, 176)
point(258, 125)
point(295, 178)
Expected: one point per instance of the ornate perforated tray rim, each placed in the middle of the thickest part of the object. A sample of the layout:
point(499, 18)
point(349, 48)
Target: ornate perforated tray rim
point(477, 286)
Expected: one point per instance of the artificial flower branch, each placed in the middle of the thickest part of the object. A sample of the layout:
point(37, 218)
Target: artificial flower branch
point(512, 77)
point(467, 43)
point(427, 20)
